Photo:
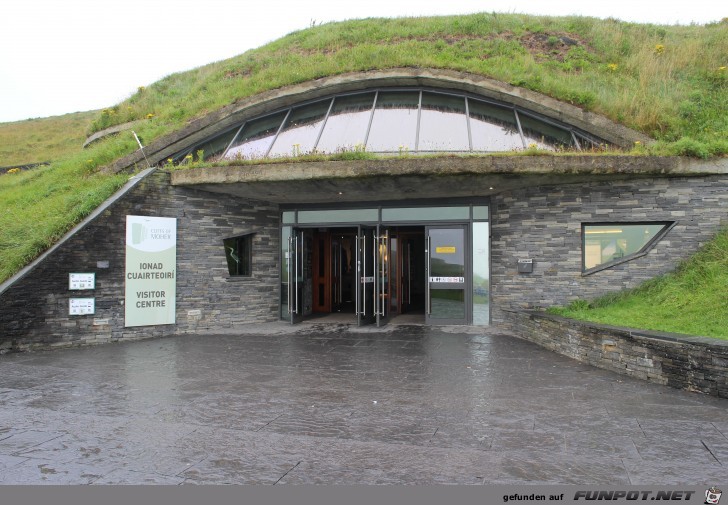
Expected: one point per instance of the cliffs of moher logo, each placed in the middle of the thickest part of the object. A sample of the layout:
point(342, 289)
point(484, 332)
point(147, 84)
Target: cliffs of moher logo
point(140, 233)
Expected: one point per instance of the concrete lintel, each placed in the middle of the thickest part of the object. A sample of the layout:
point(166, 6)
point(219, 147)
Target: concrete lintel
point(436, 177)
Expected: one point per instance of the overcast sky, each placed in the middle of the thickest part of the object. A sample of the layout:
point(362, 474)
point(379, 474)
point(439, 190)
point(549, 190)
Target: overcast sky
point(61, 56)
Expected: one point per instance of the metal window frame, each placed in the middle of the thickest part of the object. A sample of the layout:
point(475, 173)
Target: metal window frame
point(244, 236)
point(576, 134)
point(323, 123)
point(644, 250)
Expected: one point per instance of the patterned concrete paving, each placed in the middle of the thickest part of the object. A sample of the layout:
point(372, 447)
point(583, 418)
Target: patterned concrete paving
point(329, 404)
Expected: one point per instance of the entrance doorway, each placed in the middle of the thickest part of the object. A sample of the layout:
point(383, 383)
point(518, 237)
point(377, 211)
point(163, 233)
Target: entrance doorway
point(426, 265)
point(363, 274)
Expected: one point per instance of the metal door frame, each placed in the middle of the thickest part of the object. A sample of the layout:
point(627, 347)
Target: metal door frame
point(467, 285)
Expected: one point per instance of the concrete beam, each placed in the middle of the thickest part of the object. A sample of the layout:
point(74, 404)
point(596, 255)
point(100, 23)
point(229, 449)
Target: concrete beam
point(430, 177)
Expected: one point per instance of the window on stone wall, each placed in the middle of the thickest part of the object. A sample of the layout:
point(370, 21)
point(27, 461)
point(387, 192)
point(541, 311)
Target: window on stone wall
point(609, 244)
point(238, 253)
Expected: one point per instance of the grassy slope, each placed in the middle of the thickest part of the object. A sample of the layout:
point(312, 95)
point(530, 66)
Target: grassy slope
point(45, 139)
point(667, 81)
point(692, 300)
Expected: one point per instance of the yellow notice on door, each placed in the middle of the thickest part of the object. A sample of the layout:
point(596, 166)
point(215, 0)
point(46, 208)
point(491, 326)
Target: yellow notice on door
point(445, 249)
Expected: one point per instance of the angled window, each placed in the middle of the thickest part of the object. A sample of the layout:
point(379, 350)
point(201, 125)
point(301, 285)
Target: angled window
point(544, 134)
point(493, 127)
point(347, 125)
point(443, 123)
point(301, 130)
point(394, 125)
point(238, 253)
point(607, 244)
point(256, 137)
point(209, 149)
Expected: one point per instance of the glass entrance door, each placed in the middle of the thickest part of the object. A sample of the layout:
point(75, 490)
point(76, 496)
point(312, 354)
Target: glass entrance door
point(366, 307)
point(382, 287)
point(447, 299)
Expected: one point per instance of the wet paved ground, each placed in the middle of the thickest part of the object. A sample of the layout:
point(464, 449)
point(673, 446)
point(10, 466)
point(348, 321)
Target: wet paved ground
point(333, 404)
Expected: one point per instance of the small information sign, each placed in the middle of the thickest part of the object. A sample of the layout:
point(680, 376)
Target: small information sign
point(445, 249)
point(82, 281)
point(448, 279)
point(81, 306)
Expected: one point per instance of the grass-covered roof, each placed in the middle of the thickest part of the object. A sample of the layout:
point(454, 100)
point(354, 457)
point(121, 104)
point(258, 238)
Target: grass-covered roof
point(669, 82)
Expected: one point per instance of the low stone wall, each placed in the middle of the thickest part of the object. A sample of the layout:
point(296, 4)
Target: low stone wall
point(692, 363)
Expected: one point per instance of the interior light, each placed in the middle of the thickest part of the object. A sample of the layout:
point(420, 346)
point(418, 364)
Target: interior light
point(598, 232)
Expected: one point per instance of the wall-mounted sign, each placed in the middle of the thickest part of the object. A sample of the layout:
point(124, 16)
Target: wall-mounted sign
point(151, 271)
point(81, 306)
point(81, 281)
point(448, 279)
point(367, 279)
point(445, 249)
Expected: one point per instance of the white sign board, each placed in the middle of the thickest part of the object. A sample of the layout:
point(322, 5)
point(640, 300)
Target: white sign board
point(81, 281)
point(81, 306)
point(448, 279)
point(151, 271)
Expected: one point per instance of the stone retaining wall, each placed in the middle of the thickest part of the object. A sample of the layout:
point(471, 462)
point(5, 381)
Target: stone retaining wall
point(692, 363)
point(543, 223)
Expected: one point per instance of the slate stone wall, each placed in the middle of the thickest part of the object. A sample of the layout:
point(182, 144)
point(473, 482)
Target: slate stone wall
point(691, 363)
point(34, 311)
point(544, 224)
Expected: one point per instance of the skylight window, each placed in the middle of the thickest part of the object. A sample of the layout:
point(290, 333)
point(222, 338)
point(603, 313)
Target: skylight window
point(394, 121)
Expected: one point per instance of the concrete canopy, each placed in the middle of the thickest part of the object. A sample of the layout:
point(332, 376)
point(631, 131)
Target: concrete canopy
point(427, 177)
point(408, 177)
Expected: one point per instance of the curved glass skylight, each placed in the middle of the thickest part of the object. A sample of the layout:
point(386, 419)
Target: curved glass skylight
point(393, 121)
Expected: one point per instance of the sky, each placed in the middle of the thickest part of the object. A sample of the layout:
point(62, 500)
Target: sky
point(58, 57)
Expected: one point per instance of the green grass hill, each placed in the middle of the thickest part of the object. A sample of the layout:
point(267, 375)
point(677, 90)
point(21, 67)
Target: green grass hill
point(669, 82)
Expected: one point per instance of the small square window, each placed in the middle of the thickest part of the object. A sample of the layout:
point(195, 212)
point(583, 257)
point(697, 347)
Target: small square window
point(238, 255)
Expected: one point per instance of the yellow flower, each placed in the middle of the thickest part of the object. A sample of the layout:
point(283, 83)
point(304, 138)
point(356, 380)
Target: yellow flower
point(637, 142)
point(141, 89)
point(721, 69)
point(150, 115)
point(612, 67)
point(188, 157)
point(169, 160)
point(14, 170)
point(89, 161)
point(659, 49)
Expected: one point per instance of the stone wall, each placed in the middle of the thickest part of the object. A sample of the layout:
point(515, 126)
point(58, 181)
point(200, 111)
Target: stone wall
point(34, 310)
point(691, 363)
point(544, 224)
